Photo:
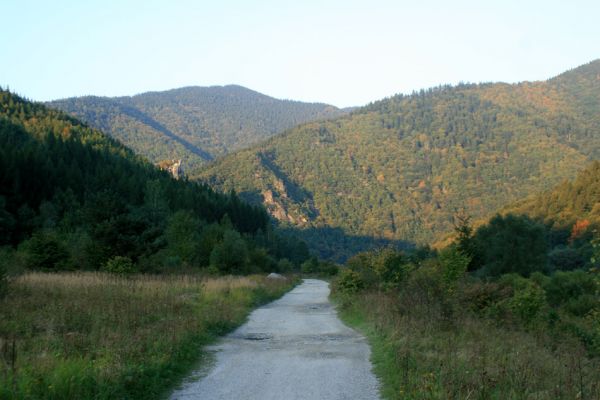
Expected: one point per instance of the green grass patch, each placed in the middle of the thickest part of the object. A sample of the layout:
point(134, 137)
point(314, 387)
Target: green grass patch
point(100, 336)
point(417, 354)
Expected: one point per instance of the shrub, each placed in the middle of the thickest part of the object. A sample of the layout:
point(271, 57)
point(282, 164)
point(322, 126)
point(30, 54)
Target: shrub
point(310, 266)
point(314, 266)
point(230, 256)
point(349, 281)
point(593, 318)
point(528, 300)
point(182, 236)
point(44, 252)
point(361, 263)
point(285, 265)
point(392, 267)
point(564, 286)
point(454, 265)
point(424, 285)
point(582, 305)
point(511, 244)
point(261, 261)
point(328, 268)
point(565, 258)
point(120, 265)
point(479, 296)
point(3, 280)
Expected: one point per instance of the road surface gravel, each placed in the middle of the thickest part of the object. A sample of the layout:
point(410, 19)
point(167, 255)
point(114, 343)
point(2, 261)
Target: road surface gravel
point(293, 348)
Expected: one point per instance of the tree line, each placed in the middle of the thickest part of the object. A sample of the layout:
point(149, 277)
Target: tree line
point(73, 198)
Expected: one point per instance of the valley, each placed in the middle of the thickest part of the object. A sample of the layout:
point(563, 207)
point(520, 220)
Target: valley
point(201, 243)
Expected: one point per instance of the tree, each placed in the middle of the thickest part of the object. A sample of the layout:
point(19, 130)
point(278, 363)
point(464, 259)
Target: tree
point(44, 252)
point(511, 244)
point(454, 265)
point(231, 255)
point(155, 199)
point(310, 266)
point(5, 254)
point(464, 239)
point(7, 223)
point(183, 236)
point(210, 237)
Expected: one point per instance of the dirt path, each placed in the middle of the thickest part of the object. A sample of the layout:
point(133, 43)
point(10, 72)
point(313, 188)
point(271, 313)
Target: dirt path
point(293, 348)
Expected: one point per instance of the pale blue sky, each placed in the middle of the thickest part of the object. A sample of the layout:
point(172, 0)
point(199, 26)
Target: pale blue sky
point(340, 52)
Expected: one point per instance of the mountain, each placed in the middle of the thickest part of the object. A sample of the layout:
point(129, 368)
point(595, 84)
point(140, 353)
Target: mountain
point(567, 203)
point(553, 230)
point(400, 168)
point(72, 197)
point(195, 124)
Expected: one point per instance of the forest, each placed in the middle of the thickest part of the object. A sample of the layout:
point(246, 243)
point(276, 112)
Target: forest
point(194, 124)
point(400, 169)
point(73, 198)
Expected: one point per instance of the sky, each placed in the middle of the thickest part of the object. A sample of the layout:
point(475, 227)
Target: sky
point(345, 53)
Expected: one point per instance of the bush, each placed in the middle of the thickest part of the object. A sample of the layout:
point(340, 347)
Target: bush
point(385, 268)
point(310, 266)
point(44, 252)
point(593, 318)
point(183, 237)
point(582, 305)
point(231, 255)
point(564, 286)
point(3, 280)
point(576, 291)
point(285, 265)
point(261, 261)
point(480, 296)
point(314, 266)
point(120, 265)
point(349, 282)
point(528, 300)
point(565, 258)
point(361, 263)
point(424, 285)
point(328, 268)
point(454, 265)
point(392, 267)
point(511, 244)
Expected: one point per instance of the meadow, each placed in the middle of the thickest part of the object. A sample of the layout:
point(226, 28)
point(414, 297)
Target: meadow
point(418, 355)
point(439, 333)
point(90, 335)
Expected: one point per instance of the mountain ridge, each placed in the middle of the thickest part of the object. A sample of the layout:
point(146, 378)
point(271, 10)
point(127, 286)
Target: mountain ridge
point(400, 168)
point(192, 123)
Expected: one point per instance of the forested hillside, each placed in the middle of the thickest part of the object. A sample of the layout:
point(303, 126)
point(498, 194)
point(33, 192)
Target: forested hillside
point(567, 203)
point(195, 124)
point(401, 168)
point(72, 198)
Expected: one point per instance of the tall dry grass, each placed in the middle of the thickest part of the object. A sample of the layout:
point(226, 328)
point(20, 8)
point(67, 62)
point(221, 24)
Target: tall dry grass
point(96, 335)
point(422, 352)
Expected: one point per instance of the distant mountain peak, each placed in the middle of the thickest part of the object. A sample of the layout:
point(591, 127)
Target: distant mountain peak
point(193, 123)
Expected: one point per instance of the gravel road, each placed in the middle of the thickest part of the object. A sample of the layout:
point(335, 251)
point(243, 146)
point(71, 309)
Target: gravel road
point(293, 348)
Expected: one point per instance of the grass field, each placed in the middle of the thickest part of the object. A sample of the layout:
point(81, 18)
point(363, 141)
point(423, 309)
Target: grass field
point(420, 354)
point(100, 336)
